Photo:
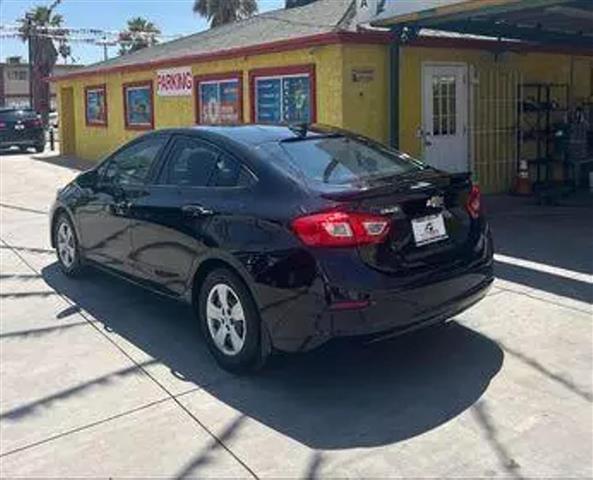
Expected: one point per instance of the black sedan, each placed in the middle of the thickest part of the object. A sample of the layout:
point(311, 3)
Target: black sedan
point(280, 237)
point(21, 128)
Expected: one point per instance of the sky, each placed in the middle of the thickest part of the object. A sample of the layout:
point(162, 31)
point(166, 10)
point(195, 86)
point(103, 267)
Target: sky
point(171, 16)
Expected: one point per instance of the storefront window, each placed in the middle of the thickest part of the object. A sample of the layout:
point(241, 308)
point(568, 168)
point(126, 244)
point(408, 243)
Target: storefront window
point(96, 105)
point(284, 98)
point(219, 101)
point(138, 103)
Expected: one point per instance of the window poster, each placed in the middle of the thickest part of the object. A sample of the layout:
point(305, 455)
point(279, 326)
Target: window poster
point(283, 99)
point(269, 100)
point(139, 106)
point(220, 102)
point(296, 99)
point(96, 106)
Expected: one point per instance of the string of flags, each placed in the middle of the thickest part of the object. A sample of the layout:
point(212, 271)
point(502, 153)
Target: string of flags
point(85, 35)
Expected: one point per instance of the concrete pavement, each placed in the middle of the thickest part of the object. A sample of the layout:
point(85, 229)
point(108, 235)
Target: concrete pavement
point(99, 378)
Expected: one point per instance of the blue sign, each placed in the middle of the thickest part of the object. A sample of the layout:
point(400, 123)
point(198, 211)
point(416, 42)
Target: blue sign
point(269, 100)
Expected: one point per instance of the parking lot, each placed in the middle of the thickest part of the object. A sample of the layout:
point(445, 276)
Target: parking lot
point(99, 378)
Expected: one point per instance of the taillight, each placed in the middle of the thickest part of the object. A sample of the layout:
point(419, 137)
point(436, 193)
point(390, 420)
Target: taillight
point(2, 125)
point(35, 123)
point(340, 229)
point(474, 202)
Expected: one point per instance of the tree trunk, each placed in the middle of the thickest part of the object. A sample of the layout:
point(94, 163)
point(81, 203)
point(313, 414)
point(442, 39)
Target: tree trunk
point(44, 59)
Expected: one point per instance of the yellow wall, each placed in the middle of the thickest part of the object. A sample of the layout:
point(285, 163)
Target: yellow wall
point(493, 145)
point(365, 103)
point(535, 67)
point(94, 143)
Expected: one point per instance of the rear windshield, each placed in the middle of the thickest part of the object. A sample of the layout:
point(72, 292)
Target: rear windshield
point(13, 114)
point(337, 160)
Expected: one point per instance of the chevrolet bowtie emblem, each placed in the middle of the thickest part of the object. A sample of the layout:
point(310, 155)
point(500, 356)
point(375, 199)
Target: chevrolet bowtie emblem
point(436, 201)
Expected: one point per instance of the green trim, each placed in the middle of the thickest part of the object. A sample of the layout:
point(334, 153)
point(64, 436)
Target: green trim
point(497, 10)
point(485, 27)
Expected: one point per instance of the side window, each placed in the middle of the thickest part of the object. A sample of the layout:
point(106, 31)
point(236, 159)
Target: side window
point(131, 166)
point(190, 164)
point(230, 173)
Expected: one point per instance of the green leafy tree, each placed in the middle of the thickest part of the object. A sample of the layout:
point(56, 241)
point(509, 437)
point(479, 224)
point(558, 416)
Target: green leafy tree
point(219, 12)
point(41, 26)
point(139, 34)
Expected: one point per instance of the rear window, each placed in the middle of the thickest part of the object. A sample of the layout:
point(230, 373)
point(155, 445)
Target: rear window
point(12, 114)
point(340, 160)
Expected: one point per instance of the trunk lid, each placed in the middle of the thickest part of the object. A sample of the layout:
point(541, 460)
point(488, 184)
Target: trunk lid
point(423, 200)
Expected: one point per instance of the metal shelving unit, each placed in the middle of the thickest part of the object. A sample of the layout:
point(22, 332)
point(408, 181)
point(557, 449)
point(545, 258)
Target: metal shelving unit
point(542, 106)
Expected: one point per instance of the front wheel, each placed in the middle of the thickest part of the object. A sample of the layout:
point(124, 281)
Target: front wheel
point(230, 322)
point(67, 247)
point(39, 148)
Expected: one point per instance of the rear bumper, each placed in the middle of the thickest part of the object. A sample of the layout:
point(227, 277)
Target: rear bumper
point(307, 319)
point(308, 322)
point(394, 316)
point(27, 139)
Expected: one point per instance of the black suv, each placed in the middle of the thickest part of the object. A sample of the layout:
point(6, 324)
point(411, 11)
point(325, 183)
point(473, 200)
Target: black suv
point(21, 128)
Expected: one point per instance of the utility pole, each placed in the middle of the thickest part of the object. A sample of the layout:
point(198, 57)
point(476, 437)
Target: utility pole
point(29, 18)
point(104, 47)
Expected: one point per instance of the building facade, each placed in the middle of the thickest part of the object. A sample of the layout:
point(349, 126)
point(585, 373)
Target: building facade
point(460, 105)
point(15, 85)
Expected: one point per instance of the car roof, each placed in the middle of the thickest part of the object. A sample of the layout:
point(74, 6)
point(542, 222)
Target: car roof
point(253, 135)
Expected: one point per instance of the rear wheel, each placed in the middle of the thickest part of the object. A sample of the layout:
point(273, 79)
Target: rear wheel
point(39, 148)
point(230, 322)
point(67, 247)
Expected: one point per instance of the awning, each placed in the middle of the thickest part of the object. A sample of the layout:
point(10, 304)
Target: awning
point(558, 22)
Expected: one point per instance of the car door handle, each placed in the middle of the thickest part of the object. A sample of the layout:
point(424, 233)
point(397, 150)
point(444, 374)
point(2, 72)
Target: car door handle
point(196, 211)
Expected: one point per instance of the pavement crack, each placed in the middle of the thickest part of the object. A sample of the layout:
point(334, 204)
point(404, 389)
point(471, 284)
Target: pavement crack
point(85, 427)
point(170, 395)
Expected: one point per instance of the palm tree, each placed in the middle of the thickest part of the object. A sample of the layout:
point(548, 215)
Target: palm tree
point(64, 50)
point(140, 33)
point(297, 3)
point(219, 12)
point(35, 27)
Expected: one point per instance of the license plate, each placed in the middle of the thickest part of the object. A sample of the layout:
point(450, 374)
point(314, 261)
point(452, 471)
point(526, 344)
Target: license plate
point(429, 229)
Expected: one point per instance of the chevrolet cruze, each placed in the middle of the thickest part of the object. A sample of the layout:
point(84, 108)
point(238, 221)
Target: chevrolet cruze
point(280, 237)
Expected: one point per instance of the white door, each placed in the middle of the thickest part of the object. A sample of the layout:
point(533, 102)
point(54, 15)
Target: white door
point(444, 117)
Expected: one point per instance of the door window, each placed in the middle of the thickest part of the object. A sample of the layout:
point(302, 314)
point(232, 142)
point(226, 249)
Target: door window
point(190, 164)
point(132, 165)
point(193, 163)
point(443, 100)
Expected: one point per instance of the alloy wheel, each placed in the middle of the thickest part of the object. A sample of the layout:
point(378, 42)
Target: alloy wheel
point(66, 244)
point(226, 319)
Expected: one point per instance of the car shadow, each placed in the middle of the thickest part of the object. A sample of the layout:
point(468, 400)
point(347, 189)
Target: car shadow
point(342, 395)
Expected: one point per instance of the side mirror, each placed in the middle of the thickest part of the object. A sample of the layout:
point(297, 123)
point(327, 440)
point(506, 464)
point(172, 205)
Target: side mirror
point(87, 179)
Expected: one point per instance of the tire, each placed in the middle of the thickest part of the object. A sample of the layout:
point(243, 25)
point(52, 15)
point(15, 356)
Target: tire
point(233, 339)
point(67, 247)
point(24, 149)
point(39, 148)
